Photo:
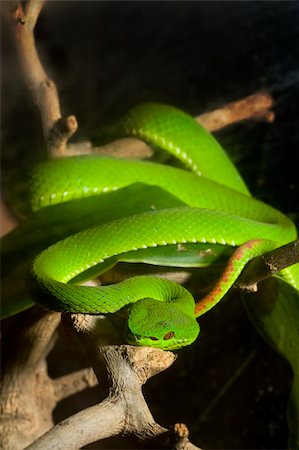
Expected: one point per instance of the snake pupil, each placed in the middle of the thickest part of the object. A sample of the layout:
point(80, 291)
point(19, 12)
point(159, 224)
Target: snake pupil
point(169, 335)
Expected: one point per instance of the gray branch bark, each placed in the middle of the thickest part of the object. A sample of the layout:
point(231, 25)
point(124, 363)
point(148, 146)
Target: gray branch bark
point(121, 370)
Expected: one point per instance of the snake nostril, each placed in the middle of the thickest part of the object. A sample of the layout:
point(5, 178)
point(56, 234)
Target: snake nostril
point(169, 335)
point(153, 338)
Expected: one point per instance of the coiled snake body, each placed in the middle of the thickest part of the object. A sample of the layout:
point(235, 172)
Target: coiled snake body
point(219, 210)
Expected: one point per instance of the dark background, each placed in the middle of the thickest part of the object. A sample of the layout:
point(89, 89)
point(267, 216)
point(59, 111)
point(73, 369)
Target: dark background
point(105, 57)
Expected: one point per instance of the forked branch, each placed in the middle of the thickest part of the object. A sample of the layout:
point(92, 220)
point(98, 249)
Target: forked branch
point(121, 371)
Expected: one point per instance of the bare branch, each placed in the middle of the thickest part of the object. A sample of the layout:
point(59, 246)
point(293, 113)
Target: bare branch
point(59, 135)
point(122, 370)
point(94, 423)
point(18, 405)
point(74, 382)
point(32, 12)
point(251, 107)
point(181, 434)
point(56, 130)
point(270, 263)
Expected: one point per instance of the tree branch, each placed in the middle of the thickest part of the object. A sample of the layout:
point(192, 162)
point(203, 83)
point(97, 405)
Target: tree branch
point(74, 382)
point(266, 265)
point(57, 130)
point(252, 107)
point(256, 106)
point(121, 371)
point(20, 410)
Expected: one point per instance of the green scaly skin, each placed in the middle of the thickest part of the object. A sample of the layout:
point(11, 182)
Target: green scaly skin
point(219, 210)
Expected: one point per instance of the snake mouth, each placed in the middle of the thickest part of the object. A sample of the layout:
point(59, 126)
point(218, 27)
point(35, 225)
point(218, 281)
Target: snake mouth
point(145, 341)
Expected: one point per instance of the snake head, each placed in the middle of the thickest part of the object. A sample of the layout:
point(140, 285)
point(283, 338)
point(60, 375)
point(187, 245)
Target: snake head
point(153, 323)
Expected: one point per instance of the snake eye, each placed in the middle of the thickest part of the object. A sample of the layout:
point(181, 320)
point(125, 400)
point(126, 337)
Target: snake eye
point(154, 338)
point(169, 335)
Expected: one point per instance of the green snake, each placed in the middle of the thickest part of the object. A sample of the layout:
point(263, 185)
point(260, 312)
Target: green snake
point(216, 209)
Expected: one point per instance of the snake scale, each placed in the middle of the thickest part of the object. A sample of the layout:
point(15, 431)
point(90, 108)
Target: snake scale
point(217, 209)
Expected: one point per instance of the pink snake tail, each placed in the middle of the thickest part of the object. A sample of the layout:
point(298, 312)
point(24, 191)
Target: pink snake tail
point(234, 267)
